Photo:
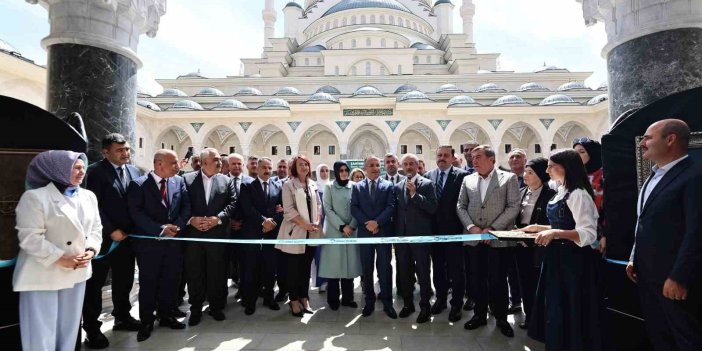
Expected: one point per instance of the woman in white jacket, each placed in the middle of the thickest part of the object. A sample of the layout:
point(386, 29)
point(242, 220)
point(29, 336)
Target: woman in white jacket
point(59, 232)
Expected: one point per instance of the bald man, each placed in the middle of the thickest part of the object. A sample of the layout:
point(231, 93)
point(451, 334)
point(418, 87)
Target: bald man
point(668, 249)
point(160, 207)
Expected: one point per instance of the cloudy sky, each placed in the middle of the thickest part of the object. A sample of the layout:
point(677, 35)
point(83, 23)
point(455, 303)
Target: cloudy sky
point(212, 35)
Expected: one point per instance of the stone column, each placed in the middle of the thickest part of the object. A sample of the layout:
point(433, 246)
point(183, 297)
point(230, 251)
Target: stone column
point(652, 51)
point(467, 13)
point(92, 62)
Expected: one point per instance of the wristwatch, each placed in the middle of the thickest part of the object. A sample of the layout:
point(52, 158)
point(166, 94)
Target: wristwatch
point(93, 250)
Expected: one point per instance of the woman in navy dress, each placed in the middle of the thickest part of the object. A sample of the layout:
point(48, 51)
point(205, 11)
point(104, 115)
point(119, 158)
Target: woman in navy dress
point(569, 309)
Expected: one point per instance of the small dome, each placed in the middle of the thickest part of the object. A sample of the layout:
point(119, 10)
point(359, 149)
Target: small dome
point(275, 104)
point(186, 105)
point(405, 88)
point(192, 75)
point(550, 69)
point(367, 91)
point(329, 90)
point(248, 91)
point(532, 87)
point(422, 46)
point(557, 100)
point(509, 100)
point(415, 95)
point(173, 92)
point(7, 47)
point(449, 88)
point(293, 4)
point(148, 104)
point(321, 98)
point(462, 100)
point(489, 87)
point(314, 48)
point(344, 5)
point(231, 104)
point(439, 2)
point(572, 86)
point(287, 91)
point(603, 87)
point(210, 92)
point(597, 99)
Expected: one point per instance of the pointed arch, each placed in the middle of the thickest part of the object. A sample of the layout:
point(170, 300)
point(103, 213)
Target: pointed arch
point(419, 139)
point(320, 144)
point(269, 141)
point(521, 135)
point(222, 138)
point(368, 139)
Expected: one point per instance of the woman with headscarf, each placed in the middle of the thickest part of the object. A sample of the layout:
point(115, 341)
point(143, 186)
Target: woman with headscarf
point(535, 196)
point(301, 215)
point(590, 152)
point(59, 232)
point(323, 178)
point(340, 264)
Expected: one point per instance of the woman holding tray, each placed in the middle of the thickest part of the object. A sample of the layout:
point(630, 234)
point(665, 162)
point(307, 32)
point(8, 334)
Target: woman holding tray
point(568, 312)
point(534, 200)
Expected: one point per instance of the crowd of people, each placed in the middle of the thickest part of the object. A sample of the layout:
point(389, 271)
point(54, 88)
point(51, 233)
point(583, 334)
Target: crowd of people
point(71, 237)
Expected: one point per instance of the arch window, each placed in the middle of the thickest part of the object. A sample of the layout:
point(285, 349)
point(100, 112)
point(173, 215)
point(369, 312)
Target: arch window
point(336, 70)
point(382, 19)
point(397, 45)
point(382, 43)
point(336, 23)
point(353, 20)
point(399, 69)
point(368, 68)
point(414, 25)
point(307, 61)
point(363, 19)
point(372, 18)
point(319, 61)
point(382, 70)
point(344, 21)
point(353, 43)
point(368, 42)
point(416, 60)
point(327, 26)
point(391, 20)
point(428, 59)
point(341, 46)
point(537, 148)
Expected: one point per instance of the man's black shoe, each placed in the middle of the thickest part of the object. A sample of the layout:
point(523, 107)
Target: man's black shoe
point(249, 310)
point(281, 296)
point(438, 307)
point(127, 323)
point(195, 318)
point(469, 305)
point(505, 328)
point(145, 331)
point(390, 312)
point(334, 305)
point(272, 304)
point(424, 315)
point(524, 325)
point(368, 310)
point(97, 340)
point(514, 309)
point(475, 323)
point(170, 322)
point(455, 315)
point(407, 311)
point(218, 315)
point(351, 304)
point(177, 313)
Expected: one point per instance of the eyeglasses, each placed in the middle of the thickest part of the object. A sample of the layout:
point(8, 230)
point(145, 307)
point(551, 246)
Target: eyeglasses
point(583, 140)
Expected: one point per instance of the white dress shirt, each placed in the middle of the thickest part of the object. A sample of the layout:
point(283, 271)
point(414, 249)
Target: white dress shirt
point(651, 183)
point(484, 183)
point(584, 212)
point(393, 179)
point(207, 183)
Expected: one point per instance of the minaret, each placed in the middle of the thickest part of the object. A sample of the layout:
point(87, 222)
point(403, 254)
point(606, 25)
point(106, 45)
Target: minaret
point(467, 13)
point(292, 13)
point(444, 15)
point(269, 17)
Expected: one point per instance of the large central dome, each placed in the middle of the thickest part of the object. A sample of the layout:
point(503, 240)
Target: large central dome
point(359, 4)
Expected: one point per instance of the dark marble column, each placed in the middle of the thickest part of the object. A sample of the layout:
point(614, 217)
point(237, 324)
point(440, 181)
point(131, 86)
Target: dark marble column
point(99, 84)
point(654, 66)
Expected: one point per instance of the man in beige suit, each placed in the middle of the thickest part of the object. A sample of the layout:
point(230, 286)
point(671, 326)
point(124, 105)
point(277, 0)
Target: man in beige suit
point(489, 200)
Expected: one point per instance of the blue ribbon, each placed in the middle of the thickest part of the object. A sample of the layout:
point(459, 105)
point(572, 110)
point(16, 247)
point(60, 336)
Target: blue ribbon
point(112, 248)
point(623, 263)
point(337, 241)
point(8, 263)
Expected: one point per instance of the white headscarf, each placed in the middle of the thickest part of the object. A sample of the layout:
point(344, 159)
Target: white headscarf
point(320, 182)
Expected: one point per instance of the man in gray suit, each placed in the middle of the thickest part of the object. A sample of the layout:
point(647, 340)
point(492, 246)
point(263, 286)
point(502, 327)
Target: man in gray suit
point(416, 204)
point(489, 200)
point(212, 202)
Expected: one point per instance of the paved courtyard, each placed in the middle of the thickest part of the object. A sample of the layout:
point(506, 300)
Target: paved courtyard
point(344, 329)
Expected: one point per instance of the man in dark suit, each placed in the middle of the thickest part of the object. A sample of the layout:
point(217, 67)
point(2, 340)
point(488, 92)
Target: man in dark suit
point(489, 200)
point(373, 205)
point(263, 214)
point(447, 258)
point(668, 249)
point(392, 168)
point(108, 180)
point(282, 172)
point(160, 207)
point(466, 150)
point(237, 176)
point(416, 204)
point(212, 200)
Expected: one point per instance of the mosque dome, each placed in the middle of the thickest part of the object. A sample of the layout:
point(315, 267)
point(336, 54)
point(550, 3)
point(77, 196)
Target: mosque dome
point(557, 99)
point(405, 88)
point(489, 87)
point(231, 104)
point(275, 104)
point(210, 92)
point(172, 92)
point(192, 75)
point(321, 98)
point(293, 4)
point(186, 105)
point(287, 91)
point(604, 86)
point(361, 4)
point(449, 88)
point(509, 100)
point(329, 90)
point(314, 48)
point(597, 99)
point(572, 86)
point(367, 91)
point(415, 96)
point(532, 87)
point(422, 46)
point(462, 101)
point(248, 91)
point(148, 104)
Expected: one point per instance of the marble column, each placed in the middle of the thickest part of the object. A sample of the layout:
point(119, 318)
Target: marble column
point(92, 62)
point(652, 50)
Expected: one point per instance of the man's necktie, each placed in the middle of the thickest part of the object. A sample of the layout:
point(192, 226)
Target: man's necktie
point(236, 186)
point(372, 190)
point(120, 175)
point(440, 185)
point(265, 190)
point(164, 192)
